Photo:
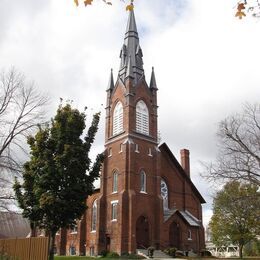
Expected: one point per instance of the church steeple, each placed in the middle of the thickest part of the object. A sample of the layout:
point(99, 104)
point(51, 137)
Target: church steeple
point(131, 50)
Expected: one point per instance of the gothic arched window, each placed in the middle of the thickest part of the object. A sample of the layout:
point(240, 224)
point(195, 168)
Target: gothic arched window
point(164, 194)
point(115, 182)
point(118, 119)
point(94, 216)
point(142, 118)
point(143, 181)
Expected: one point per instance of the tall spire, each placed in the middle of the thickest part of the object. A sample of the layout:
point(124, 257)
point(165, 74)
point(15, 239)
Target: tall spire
point(131, 50)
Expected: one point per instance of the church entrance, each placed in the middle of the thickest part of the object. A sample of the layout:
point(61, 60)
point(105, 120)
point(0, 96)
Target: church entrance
point(174, 235)
point(142, 232)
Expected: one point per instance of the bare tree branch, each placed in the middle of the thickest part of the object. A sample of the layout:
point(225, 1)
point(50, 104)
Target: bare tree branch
point(239, 148)
point(21, 110)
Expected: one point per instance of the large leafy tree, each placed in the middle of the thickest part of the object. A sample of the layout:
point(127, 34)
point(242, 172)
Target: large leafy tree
point(236, 211)
point(59, 176)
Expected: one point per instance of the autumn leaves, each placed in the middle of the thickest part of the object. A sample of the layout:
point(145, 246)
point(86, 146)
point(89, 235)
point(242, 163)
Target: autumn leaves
point(253, 9)
point(129, 7)
point(243, 7)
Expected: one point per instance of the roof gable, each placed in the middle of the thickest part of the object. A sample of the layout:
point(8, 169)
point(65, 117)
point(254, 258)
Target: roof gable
point(164, 148)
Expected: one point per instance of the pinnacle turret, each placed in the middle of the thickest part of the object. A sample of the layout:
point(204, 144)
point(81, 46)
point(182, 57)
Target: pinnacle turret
point(111, 81)
point(153, 84)
point(131, 50)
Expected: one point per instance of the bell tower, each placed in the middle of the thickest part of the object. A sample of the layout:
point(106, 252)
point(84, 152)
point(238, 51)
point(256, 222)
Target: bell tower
point(129, 181)
point(130, 87)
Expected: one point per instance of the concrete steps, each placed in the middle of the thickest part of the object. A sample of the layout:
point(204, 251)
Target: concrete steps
point(156, 253)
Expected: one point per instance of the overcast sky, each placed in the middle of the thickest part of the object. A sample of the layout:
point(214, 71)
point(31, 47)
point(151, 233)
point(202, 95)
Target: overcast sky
point(206, 61)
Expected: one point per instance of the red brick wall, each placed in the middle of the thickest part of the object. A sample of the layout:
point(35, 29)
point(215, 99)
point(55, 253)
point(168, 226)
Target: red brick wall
point(120, 235)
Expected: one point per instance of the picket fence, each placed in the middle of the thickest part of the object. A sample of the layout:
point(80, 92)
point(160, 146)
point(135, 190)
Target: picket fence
point(33, 248)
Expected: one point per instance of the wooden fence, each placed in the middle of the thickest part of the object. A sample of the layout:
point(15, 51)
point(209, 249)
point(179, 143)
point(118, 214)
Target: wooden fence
point(33, 248)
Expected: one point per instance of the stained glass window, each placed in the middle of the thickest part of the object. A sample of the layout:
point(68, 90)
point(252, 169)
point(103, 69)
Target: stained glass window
point(164, 194)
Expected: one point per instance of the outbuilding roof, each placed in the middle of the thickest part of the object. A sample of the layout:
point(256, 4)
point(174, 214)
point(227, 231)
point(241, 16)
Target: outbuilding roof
point(13, 225)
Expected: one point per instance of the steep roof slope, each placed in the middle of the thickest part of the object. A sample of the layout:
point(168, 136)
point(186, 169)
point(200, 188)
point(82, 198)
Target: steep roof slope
point(164, 148)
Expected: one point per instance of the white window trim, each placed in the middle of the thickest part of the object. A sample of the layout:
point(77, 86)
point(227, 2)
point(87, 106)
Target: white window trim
point(114, 201)
point(150, 152)
point(137, 148)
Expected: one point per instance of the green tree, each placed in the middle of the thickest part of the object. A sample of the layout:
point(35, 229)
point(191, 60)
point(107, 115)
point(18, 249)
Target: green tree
point(236, 211)
point(59, 176)
point(252, 248)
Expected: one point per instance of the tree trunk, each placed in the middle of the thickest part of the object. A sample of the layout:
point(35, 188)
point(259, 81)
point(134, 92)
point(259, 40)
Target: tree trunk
point(33, 229)
point(52, 243)
point(240, 251)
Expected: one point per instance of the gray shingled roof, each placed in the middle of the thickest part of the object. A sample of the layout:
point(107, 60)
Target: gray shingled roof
point(193, 221)
point(13, 225)
point(189, 218)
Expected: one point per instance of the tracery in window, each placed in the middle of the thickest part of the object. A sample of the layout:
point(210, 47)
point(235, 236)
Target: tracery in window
point(118, 119)
point(115, 182)
point(164, 194)
point(94, 216)
point(143, 181)
point(142, 118)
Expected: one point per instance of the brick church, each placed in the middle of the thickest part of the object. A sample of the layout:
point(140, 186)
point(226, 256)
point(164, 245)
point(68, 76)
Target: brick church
point(146, 197)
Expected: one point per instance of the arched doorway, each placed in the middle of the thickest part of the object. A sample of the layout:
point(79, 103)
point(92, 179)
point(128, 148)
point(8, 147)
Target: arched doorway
point(142, 232)
point(174, 235)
